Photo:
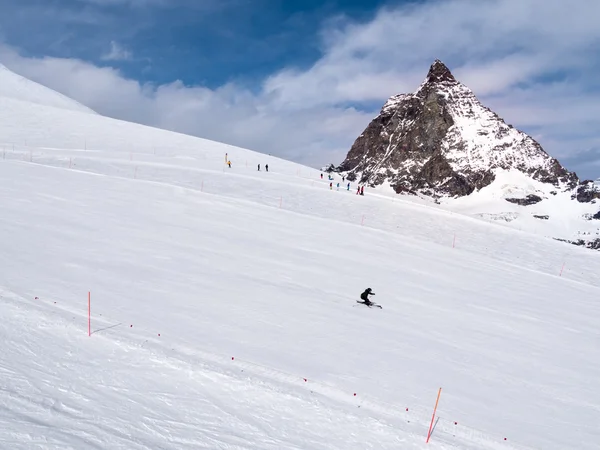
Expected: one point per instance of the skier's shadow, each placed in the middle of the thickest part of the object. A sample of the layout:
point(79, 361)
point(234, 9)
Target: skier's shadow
point(437, 419)
point(106, 328)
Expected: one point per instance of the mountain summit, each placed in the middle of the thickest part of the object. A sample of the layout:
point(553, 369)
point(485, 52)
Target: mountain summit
point(441, 141)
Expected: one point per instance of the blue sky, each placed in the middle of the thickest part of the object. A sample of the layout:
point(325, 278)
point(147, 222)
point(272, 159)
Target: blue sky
point(302, 79)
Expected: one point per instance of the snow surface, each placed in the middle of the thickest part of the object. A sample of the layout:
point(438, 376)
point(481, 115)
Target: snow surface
point(191, 263)
point(17, 87)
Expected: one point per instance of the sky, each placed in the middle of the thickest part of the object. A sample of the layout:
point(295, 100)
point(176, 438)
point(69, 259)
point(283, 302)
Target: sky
point(302, 79)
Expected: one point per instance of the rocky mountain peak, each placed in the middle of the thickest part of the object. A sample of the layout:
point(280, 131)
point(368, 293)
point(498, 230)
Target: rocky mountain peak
point(438, 72)
point(441, 141)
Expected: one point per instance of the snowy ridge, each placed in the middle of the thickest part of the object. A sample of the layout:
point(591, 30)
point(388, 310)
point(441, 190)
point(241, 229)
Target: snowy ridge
point(479, 140)
point(20, 88)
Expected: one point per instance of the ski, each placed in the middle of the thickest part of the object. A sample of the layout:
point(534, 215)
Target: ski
point(371, 305)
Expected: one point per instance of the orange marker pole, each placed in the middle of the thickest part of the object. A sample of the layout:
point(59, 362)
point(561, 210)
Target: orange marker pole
point(433, 416)
point(89, 315)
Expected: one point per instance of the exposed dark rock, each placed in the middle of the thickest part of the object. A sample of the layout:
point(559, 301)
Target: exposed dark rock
point(543, 217)
point(586, 192)
point(596, 216)
point(592, 244)
point(531, 199)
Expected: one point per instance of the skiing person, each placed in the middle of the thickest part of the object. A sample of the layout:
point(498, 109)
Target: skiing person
point(330, 186)
point(348, 186)
point(321, 176)
point(267, 167)
point(358, 190)
point(365, 297)
point(338, 186)
point(362, 190)
point(259, 167)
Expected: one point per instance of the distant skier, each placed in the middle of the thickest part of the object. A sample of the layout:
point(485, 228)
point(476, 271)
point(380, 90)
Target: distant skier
point(365, 296)
point(348, 186)
point(358, 190)
point(343, 179)
point(267, 167)
point(331, 186)
point(338, 186)
point(259, 167)
point(362, 190)
point(229, 164)
point(321, 176)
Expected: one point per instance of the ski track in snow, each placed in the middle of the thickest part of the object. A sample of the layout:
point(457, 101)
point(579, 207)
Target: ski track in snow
point(266, 268)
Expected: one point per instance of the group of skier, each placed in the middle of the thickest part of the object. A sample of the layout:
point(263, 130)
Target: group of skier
point(360, 190)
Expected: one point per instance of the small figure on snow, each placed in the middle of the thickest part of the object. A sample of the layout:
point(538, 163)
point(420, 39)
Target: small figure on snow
point(259, 167)
point(321, 176)
point(365, 296)
point(338, 186)
point(358, 190)
point(330, 186)
point(229, 164)
point(362, 190)
point(267, 167)
point(348, 186)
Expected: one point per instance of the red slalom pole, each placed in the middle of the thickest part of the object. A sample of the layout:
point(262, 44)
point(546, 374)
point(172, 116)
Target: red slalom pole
point(89, 315)
point(433, 416)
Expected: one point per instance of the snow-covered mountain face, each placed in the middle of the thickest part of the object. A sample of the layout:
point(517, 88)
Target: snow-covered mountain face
point(442, 143)
point(16, 87)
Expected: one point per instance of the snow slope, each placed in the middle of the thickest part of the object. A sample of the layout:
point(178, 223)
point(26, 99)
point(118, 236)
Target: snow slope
point(20, 88)
point(191, 263)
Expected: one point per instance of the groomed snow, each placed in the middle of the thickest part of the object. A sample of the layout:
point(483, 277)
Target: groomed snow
point(265, 268)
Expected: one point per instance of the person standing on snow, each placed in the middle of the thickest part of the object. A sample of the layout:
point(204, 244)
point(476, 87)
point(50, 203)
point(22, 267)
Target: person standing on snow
point(348, 186)
point(267, 167)
point(362, 190)
point(330, 186)
point(365, 296)
point(338, 186)
point(259, 167)
point(229, 164)
point(321, 176)
point(358, 190)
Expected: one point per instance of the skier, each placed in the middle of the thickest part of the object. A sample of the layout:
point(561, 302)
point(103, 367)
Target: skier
point(348, 186)
point(358, 190)
point(321, 176)
point(338, 186)
point(343, 179)
point(267, 167)
point(259, 167)
point(365, 297)
point(229, 164)
point(362, 190)
point(330, 186)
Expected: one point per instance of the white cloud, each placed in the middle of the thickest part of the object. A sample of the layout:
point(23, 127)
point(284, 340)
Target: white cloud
point(117, 53)
point(507, 51)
